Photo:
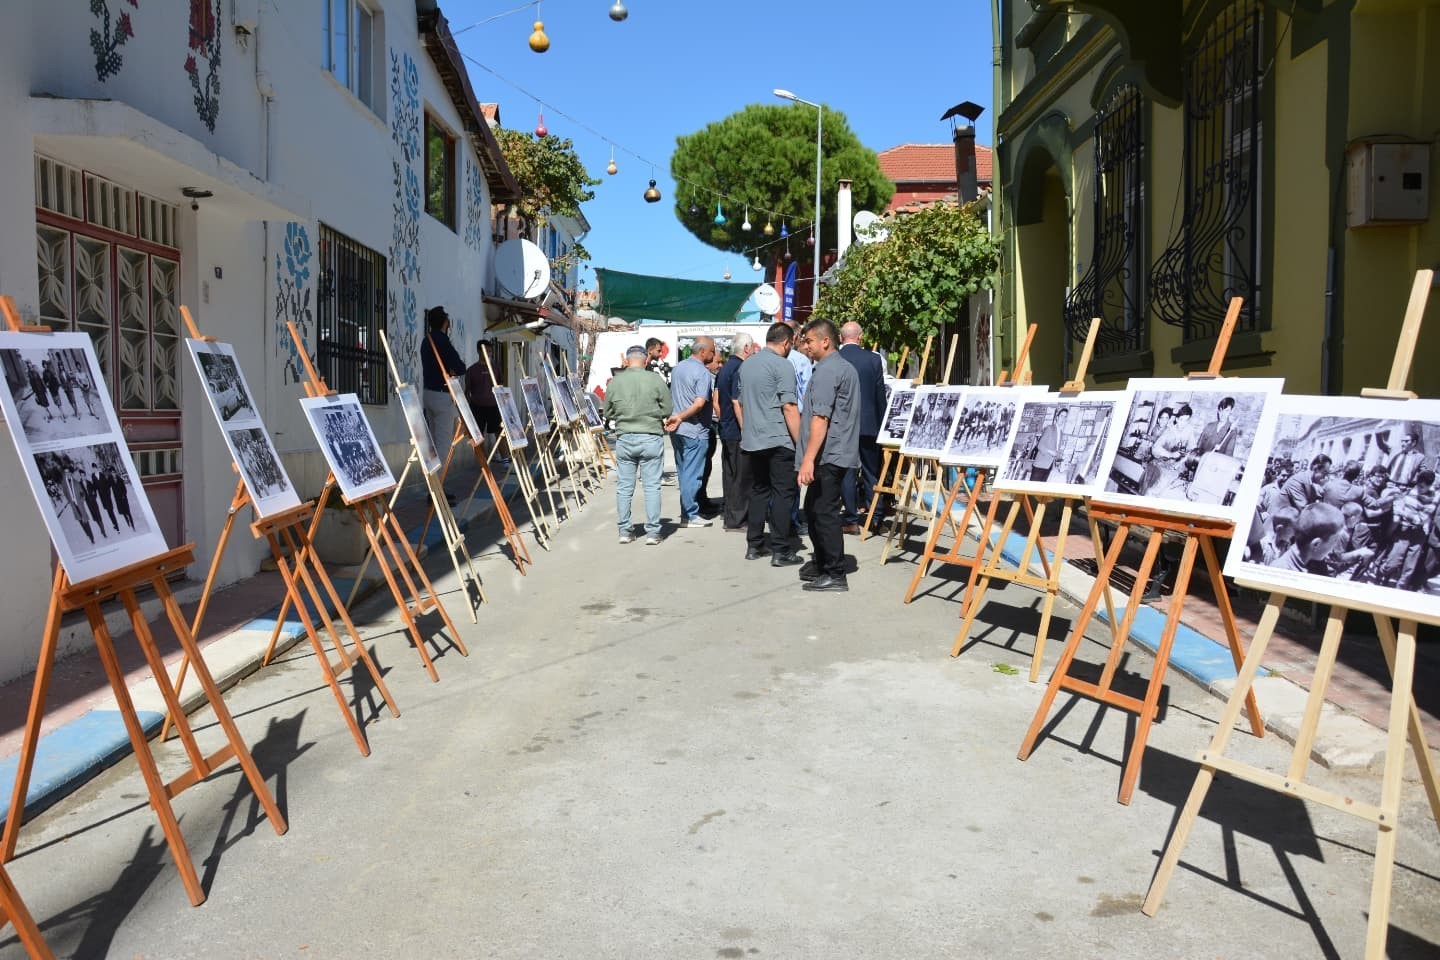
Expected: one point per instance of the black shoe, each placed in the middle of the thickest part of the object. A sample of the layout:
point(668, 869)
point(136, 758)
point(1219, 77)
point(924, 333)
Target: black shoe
point(757, 553)
point(786, 560)
point(809, 571)
point(828, 584)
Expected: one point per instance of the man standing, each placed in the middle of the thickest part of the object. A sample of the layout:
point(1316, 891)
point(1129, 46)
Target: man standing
point(1220, 435)
point(638, 403)
point(829, 448)
point(692, 390)
point(769, 424)
point(871, 370)
point(439, 408)
point(1403, 465)
point(734, 462)
point(712, 442)
point(480, 394)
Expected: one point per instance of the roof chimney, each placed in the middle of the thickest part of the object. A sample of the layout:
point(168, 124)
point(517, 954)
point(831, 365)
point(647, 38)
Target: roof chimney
point(842, 218)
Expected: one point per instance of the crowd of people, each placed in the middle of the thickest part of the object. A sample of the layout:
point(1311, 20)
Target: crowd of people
point(802, 410)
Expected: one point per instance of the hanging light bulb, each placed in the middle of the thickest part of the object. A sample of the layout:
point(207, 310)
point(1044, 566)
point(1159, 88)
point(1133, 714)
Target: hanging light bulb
point(787, 256)
point(612, 169)
point(769, 228)
point(540, 130)
point(538, 41)
point(810, 240)
point(694, 207)
point(727, 273)
point(651, 194)
point(746, 225)
point(756, 264)
point(719, 215)
point(784, 231)
point(618, 12)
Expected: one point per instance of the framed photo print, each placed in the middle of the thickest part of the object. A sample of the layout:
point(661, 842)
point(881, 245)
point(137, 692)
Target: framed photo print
point(934, 411)
point(1060, 443)
point(897, 413)
point(74, 454)
point(349, 445)
point(1342, 503)
point(1186, 444)
point(510, 418)
point(565, 400)
point(987, 418)
point(414, 410)
point(245, 435)
point(456, 386)
point(535, 405)
point(592, 413)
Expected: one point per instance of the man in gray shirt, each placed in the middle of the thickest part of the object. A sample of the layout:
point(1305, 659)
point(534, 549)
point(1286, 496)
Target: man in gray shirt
point(692, 388)
point(829, 446)
point(770, 422)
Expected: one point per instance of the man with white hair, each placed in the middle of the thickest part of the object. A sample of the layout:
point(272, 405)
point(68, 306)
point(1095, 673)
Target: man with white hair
point(859, 482)
point(638, 401)
point(734, 462)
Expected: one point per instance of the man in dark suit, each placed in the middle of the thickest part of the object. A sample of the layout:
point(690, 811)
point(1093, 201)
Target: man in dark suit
point(855, 491)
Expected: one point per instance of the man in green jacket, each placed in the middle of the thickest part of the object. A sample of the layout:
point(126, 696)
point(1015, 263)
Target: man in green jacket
point(638, 402)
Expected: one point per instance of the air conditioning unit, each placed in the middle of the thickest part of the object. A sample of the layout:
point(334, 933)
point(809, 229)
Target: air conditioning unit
point(1389, 182)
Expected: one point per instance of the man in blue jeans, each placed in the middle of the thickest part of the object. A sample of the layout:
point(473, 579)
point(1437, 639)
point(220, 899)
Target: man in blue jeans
point(692, 389)
point(638, 403)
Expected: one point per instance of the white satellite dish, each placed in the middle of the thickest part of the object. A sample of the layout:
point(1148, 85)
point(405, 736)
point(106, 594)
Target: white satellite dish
point(522, 270)
point(868, 228)
point(766, 299)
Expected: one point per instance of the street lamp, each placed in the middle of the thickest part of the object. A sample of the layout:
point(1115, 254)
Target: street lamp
point(819, 129)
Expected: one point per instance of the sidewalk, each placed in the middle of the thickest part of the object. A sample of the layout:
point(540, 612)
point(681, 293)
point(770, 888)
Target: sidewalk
point(1352, 728)
point(83, 732)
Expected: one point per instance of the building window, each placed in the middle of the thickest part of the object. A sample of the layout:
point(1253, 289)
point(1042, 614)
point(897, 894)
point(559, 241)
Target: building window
point(1111, 288)
point(350, 313)
point(439, 172)
point(1217, 253)
point(350, 40)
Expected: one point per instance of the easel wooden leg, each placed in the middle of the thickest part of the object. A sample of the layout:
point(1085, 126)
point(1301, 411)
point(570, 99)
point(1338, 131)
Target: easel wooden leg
point(39, 690)
point(1232, 634)
point(1386, 629)
point(1402, 678)
point(979, 579)
point(13, 909)
point(935, 529)
point(1052, 576)
point(434, 598)
point(887, 454)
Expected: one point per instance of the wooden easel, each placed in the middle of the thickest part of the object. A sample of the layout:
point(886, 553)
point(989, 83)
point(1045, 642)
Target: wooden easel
point(924, 477)
point(590, 443)
point(88, 596)
point(553, 445)
point(1199, 536)
point(1034, 507)
point(955, 555)
point(439, 507)
point(388, 543)
point(891, 479)
point(565, 439)
point(299, 566)
point(14, 911)
point(1399, 649)
point(524, 475)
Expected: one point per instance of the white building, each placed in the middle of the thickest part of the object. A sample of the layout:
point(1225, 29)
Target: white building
point(317, 161)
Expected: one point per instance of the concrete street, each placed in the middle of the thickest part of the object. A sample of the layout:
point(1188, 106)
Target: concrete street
point(672, 752)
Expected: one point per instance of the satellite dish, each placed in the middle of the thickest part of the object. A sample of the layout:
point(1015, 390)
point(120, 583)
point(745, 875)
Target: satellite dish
point(766, 299)
point(868, 228)
point(521, 269)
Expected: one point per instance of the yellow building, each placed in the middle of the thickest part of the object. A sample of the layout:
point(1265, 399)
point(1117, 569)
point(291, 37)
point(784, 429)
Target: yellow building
point(1157, 157)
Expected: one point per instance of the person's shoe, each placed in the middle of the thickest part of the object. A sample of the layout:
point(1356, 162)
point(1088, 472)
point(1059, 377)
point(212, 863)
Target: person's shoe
point(653, 540)
point(786, 560)
point(852, 529)
point(809, 571)
point(827, 584)
point(736, 529)
point(627, 538)
point(757, 553)
point(696, 522)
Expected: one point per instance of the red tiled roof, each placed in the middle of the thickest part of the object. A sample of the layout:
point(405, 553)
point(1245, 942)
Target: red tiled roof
point(931, 163)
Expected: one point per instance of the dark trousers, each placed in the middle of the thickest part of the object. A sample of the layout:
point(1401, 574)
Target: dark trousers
point(736, 482)
point(822, 512)
point(860, 483)
point(704, 495)
point(773, 492)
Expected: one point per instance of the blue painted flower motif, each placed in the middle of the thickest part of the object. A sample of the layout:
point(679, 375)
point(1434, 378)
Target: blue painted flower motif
point(412, 194)
point(297, 252)
point(412, 83)
point(408, 309)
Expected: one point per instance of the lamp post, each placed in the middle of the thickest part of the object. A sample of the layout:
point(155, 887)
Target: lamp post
point(819, 129)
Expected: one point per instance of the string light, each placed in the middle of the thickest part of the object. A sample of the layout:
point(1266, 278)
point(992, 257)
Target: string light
point(538, 41)
point(746, 225)
point(618, 11)
point(719, 215)
point(540, 130)
point(612, 169)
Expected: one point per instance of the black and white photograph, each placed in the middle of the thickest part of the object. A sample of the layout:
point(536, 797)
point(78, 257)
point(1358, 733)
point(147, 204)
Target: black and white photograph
point(55, 392)
point(349, 445)
point(1186, 444)
point(414, 409)
point(456, 387)
point(88, 490)
point(535, 405)
point(981, 432)
point(100, 513)
point(1342, 502)
point(897, 414)
point(565, 400)
point(1061, 442)
point(592, 412)
point(224, 382)
point(260, 466)
point(510, 417)
point(930, 420)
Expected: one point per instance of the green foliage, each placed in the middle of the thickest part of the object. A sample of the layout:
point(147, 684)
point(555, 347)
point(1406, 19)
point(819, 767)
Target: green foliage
point(903, 287)
point(553, 181)
point(764, 156)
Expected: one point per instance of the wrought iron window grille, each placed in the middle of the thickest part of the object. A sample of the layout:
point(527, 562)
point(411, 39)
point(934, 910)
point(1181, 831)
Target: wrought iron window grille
point(350, 317)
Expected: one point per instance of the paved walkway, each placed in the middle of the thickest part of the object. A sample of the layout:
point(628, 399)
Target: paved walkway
point(669, 751)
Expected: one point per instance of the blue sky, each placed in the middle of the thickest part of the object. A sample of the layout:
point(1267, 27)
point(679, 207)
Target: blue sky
point(676, 65)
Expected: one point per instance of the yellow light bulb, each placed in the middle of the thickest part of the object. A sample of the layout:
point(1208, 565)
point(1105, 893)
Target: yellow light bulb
point(538, 41)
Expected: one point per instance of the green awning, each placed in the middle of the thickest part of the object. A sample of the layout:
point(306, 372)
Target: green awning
point(635, 297)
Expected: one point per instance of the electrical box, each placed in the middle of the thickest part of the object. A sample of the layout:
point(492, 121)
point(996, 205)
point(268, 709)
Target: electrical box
point(1389, 182)
point(245, 15)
